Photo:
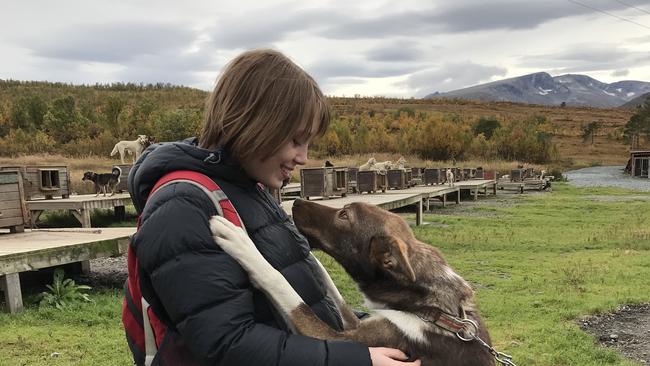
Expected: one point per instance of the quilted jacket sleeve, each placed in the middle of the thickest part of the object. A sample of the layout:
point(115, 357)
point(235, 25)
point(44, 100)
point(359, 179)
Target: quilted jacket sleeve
point(207, 296)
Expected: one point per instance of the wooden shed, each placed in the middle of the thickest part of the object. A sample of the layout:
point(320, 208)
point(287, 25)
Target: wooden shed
point(13, 212)
point(47, 181)
point(639, 163)
point(323, 182)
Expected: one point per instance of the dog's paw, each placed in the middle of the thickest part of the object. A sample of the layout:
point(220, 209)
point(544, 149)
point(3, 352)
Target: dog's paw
point(231, 238)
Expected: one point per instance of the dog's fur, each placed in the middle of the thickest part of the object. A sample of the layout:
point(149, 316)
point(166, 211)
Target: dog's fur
point(403, 280)
point(104, 181)
point(383, 167)
point(369, 165)
point(401, 163)
point(134, 147)
point(449, 177)
point(328, 164)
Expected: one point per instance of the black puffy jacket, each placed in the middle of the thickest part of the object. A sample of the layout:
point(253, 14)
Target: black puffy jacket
point(214, 315)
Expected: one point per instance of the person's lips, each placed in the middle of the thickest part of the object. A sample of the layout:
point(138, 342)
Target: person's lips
point(286, 171)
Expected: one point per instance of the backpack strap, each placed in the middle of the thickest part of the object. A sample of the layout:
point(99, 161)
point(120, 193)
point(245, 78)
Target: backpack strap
point(224, 208)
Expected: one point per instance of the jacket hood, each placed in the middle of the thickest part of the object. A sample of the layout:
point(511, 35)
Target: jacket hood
point(162, 158)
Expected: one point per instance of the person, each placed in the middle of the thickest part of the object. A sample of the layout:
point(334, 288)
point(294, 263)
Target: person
point(259, 120)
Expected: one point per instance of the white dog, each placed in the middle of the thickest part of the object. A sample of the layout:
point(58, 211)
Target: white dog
point(450, 177)
point(383, 167)
point(369, 165)
point(132, 147)
point(401, 163)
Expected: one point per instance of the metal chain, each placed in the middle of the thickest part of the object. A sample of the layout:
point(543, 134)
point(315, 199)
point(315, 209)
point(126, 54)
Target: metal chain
point(468, 334)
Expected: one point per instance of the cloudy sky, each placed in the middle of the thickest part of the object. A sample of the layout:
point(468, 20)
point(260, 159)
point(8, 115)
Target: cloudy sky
point(392, 48)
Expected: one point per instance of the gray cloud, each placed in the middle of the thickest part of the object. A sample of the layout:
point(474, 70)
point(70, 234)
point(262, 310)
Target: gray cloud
point(620, 73)
point(113, 43)
point(397, 51)
point(333, 68)
point(466, 16)
point(451, 76)
point(589, 57)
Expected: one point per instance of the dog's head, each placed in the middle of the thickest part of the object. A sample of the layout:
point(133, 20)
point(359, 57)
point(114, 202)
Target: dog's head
point(89, 176)
point(369, 242)
point(371, 161)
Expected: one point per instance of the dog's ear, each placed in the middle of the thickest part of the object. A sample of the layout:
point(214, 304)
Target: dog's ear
point(391, 253)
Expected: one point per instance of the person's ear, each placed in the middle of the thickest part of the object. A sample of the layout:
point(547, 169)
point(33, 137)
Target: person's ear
point(391, 254)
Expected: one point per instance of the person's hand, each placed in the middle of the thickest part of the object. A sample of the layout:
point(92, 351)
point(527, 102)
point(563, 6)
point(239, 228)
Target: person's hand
point(381, 356)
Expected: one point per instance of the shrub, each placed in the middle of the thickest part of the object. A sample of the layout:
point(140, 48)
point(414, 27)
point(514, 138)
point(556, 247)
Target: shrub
point(63, 292)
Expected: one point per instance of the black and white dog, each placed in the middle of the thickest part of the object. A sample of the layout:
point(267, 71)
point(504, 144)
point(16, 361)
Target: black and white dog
point(104, 181)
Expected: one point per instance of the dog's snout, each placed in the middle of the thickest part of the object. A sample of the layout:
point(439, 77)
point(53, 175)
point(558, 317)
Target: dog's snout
point(298, 202)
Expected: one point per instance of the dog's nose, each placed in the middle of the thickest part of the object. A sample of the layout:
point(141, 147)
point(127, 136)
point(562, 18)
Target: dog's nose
point(298, 202)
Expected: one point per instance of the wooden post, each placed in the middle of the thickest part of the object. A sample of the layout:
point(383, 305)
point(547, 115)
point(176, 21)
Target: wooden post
point(444, 200)
point(418, 213)
point(83, 215)
point(495, 188)
point(458, 197)
point(475, 193)
point(10, 284)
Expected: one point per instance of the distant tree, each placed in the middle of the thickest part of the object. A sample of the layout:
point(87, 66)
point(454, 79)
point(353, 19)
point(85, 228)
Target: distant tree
point(27, 113)
point(114, 106)
point(638, 125)
point(63, 121)
point(486, 126)
point(589, 131)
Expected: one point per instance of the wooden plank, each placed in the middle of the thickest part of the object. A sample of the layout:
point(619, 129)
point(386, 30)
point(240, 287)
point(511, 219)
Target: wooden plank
point(8, 177)
point(12, 203)
point(12, 212)
point(11, 221)
point(8, 188)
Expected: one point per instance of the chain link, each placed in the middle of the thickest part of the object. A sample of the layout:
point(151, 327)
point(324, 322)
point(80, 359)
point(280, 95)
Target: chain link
point(469, 333)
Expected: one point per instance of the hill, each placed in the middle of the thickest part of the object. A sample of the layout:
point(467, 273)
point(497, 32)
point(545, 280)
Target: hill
point(542, 88)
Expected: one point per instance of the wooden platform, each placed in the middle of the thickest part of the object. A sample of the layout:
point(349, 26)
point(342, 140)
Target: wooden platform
point(36, 249)
point(476, 185)
point(433, 191)
point(385, 201)
point(79, 205)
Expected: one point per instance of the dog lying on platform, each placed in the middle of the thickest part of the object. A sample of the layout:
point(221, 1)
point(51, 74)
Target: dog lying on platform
point(104, 181)
point(368, 166)
point(421, 306)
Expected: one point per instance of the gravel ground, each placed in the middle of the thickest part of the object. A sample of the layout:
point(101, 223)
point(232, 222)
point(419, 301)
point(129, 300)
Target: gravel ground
point(627, 330)
point(606, 176)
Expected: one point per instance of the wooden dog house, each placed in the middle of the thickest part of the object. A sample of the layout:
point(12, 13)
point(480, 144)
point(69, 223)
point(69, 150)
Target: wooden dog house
point(397, 179)
point(46, 181)
point(13, 212)
point(433, 176)
point(323, 182)
point(371, 181)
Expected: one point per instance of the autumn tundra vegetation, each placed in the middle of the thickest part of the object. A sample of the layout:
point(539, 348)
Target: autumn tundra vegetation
point(80, 121)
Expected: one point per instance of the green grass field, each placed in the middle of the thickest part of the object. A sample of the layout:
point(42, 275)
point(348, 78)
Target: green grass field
point(538, 265)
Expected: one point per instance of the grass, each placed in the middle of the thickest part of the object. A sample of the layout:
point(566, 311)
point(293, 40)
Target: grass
point(537, 265)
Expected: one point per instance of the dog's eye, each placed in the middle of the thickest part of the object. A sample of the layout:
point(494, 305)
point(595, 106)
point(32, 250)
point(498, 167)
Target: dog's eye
point(343, 214)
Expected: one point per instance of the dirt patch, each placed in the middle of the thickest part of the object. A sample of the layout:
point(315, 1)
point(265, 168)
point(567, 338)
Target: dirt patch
point(627, 329)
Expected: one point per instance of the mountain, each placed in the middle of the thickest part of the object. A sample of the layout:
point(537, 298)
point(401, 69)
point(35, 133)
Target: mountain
point(636, 102)
point(542, 88)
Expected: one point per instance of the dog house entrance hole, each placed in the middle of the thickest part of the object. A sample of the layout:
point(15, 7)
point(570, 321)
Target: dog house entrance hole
point(50, 179)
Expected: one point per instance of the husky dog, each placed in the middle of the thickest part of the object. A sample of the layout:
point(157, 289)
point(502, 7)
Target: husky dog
point(104, 181)
point(134, 147)
point(421, 305)
point(368, 166)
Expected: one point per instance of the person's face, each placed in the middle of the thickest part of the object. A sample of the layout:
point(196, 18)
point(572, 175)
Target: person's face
point(273, 170)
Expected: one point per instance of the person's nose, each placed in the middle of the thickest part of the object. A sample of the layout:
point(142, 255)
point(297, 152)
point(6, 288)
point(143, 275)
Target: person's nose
point(301, 154)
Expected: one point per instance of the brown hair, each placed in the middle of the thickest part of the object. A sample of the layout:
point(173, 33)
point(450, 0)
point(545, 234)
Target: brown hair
point(261, 101)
